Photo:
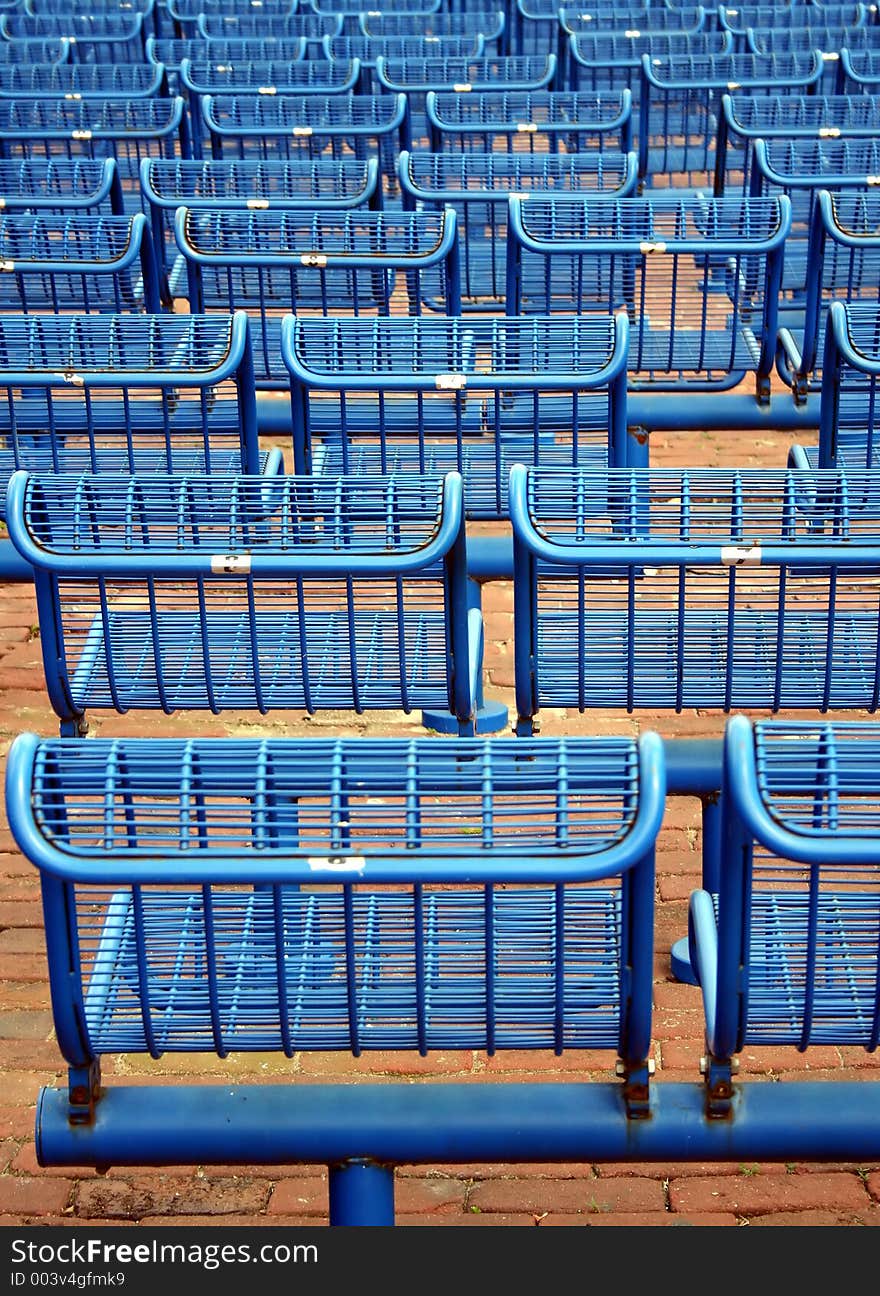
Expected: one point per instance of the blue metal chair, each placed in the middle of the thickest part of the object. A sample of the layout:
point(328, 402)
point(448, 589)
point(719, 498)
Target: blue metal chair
point(629, 22)
point(82, 81)
point(410, 396)
point(76, 262)
point(680, 106)
point(250, 186)
point(478, 187)
point(255, 593)
point(81, 184)
point(848, 423)
point(698, 278)
point(828, 39)
point(323, 262)
point(254, 127)
point(129, 394)
point(110, 38)
point(543, 121)
point(369, 49)
point(415, 895)
point(787, 951)
point(842, 262)
point(737, 19)
point(171, 52)
point(202, 77)
point(609, 59)
point(717, 588)
point(418, 77)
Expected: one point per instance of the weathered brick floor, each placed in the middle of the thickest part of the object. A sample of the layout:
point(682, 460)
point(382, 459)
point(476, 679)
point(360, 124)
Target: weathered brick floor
point(480, 1194)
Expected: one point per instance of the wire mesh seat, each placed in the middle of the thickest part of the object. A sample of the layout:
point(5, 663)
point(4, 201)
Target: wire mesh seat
point(541, 121)
point(698, 278)
point(252, 186)
point(680, 106)
point(217, 593)
point(304, 25)
point(81, 184)
point(489, 23)
point(842, 262)
point(787, 951)
point(291, 126)
point(128, 394)
point(324, 262)
point(76, 262)
point(478, 186)
point(170, 52)
point(411, 396)
point(672, 589)
point(401, 923)
point(369, 49)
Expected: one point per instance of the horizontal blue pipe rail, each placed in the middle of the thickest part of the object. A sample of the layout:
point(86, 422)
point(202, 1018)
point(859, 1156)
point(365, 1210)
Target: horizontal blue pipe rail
point(457, 1123)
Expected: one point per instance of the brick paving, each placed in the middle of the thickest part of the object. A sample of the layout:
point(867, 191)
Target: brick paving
point(510, 1195)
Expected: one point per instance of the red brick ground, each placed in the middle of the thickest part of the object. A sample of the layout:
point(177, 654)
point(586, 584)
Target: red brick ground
point(479, 1194)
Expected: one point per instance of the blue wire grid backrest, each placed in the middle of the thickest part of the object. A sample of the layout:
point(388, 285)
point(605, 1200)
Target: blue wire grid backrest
point(368, 50)
point(259, 127)
point(322, 262)
point(859, 70)
point(76, 262)
point(82, 80)
point(705, 588)
point(680, 106)
point(411, 396)
point(27, 52)
point(738, 19)
point(249, 593)
point(401, 940)
point(478, 187)
point(489, 23)
point(185, 14)
point(798, 914)
point(171, 52)
point(125, 393)
point(304, 25)
point(110, 38)
point(251, 185)
point(540, 121)
point(698, 278)
point(81, 184)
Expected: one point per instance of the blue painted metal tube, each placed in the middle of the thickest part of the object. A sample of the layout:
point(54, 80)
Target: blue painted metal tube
point(361, 1193)
point(661, 412)
point(12, 566)
point(396, 1124)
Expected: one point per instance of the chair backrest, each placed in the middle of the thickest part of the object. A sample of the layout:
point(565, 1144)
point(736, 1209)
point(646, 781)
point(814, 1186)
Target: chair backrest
point(369, 49)
point(489, 23)
point(127, 394)
point(59, 185)
point(112, 37)
point(398, 845)
point(185, 14)
point(714, 588)
point(792, 957)
point(478, 186)
point(541, 121)
point(323, 262)
point(171, 51)
point(76, 262)
point(253, 593)
point(27, 52)
point(698, 277)
point(606, 60)
point(82, 80)
point(435, 394)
